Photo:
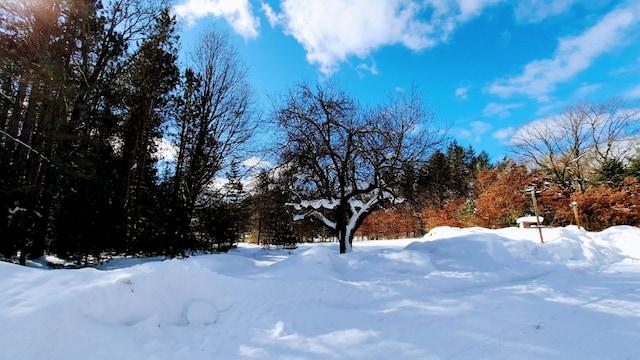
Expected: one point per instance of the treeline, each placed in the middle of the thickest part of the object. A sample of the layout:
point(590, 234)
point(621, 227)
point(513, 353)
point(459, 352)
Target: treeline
point(459, 187)
point(87, 95)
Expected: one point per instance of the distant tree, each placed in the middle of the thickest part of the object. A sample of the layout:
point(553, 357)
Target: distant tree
point(392, 223)
point(554, 203)
point(272, 218)
point(463, 164)
point(604, 206)
point(633, 168)
point(500, 199)
point(223, 219)
point(348, 159)
point(435, 181)
point(454, 213)
point(60, 62)
point(213, 123)
point(408, 185)
point(150, 77)
point(611, 172)
point(568, 147)
point(448, 176)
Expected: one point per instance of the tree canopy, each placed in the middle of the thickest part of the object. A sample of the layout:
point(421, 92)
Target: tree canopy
point(345, 159)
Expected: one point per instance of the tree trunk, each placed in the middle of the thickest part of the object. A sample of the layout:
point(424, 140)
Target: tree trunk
point(343, 243)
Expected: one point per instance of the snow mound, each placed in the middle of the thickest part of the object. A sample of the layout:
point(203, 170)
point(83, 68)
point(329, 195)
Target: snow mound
point(457, 293)
point(472, 251)
point(318, 261)
point(200, 312)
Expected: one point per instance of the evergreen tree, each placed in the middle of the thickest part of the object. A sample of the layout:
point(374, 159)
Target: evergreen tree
point(149, 80)
point(60, 64)
point(461, 162)
point(633, 169)
point(88, 154)
point(52, 129)
point(434, 180)
point(272, 219)
point(611, 172)
point(448, 177)
point(224, 219)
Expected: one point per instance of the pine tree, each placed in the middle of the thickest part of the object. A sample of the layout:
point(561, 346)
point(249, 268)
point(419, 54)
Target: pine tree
point(61, 62)
point(225, 218)
point(434, 180)
point(149, 81)
point(611, 172)
point(633, 169)
point(272, 219)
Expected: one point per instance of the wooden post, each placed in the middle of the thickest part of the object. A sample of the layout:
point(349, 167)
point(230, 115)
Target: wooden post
point(535, 209)
point(574, 206)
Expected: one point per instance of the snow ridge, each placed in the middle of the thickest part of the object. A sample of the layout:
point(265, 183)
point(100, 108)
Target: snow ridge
point(456, 293)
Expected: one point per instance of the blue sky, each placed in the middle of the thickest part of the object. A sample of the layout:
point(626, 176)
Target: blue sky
point(486, 67)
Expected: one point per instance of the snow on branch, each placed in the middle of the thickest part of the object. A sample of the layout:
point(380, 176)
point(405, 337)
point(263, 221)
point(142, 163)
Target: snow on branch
point(25, 145)
point(316, 204)
point(5, 96)
point(16, 209)
point(318, 215)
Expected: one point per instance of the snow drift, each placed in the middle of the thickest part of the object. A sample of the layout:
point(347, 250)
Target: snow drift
point(456, 294)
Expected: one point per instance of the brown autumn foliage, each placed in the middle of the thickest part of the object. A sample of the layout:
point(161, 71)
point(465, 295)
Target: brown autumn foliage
point(389, 224)
point(500, 199)
point(554, 205)
point(451, 214)
point(603, 206)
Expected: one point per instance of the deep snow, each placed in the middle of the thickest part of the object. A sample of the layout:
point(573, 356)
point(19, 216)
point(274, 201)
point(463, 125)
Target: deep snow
point(456, 294)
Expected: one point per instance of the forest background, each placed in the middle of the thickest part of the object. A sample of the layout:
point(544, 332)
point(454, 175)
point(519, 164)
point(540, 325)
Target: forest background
point(89, 94)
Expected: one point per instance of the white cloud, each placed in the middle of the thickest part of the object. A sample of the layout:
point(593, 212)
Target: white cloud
point(545, 128)
point(634, 93)
point(585, 90)
point(500, 110)
point(503, 134)
point(237, 13)
point(464, 133)
point(573, 55)
point(531, 11)
point(271, 15)
point(480, 127)
point(165, 150)
point(256, 163)
point(373, 68)
point(472, 8)
point(550, 107)
point(475, 131)
point(331, 31)
point(462, 92)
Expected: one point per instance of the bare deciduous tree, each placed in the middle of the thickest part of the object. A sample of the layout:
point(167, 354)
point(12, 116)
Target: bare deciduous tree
point(570, 146)
point(215, 118)
point(346, 159)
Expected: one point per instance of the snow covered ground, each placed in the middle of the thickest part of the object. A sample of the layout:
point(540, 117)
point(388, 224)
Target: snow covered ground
point(456, 294)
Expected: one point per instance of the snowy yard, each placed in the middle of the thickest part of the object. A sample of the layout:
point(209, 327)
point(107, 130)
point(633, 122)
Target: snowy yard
point(456, 294)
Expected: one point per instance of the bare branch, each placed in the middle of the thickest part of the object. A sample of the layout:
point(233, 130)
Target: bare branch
point(6, 96)
point(31, 149)
point(343, 151)
point(571, 145)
